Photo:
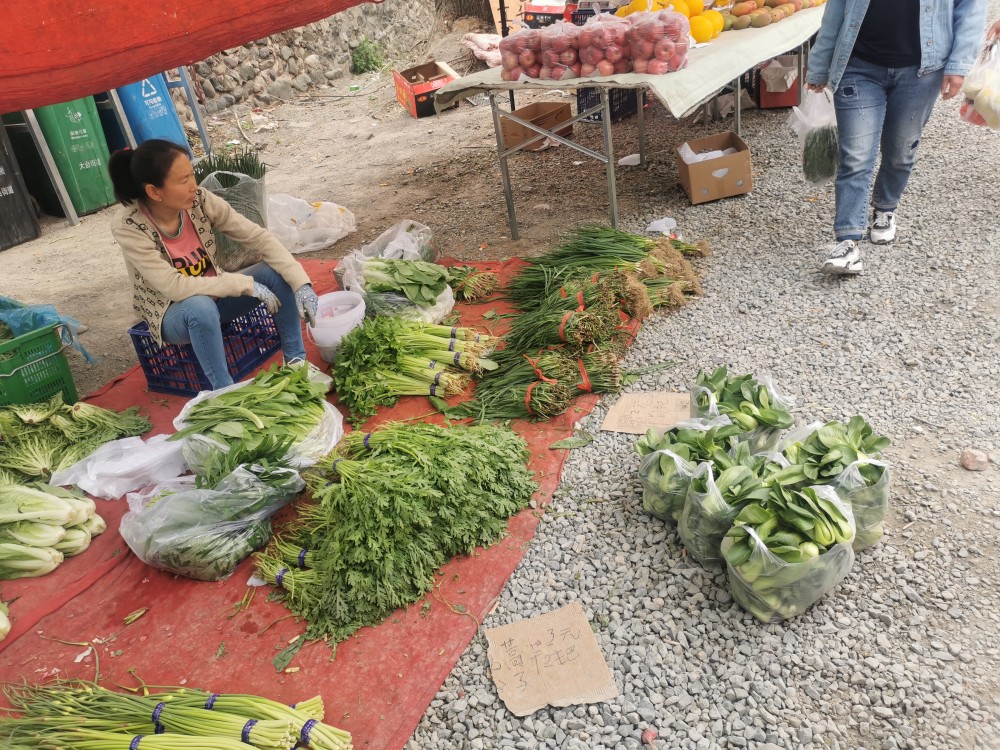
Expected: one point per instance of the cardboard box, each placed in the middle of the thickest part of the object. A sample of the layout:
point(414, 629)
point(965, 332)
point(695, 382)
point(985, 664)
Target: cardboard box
point(717, 178)
point(415, 86)
point(767, 98)
point(543, 114)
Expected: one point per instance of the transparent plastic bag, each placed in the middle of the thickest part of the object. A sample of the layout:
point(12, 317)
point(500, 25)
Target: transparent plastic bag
point(761, 439)
point(665, 477)
point(124, 465)
point(982, 88)
point(658, 41)
point(869, 502)
point(388, 303)
point(407, 240)
point(773, 590)
point(519, 55)
point(560, 57)
point(706, 518)
point(205, 534)
point(815, 122)
point(605, 49)
point(22, 319)
point(198, 449)
point(303, 227)
point(248, 197)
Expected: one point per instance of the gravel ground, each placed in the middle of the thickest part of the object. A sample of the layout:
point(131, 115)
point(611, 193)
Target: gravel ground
point(903, 653)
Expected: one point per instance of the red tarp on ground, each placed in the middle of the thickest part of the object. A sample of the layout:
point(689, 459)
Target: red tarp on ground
point(54, 51)
point(381, 681)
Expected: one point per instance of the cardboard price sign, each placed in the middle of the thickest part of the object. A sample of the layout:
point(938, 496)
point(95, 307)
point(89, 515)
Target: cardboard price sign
point(549, 660)
point(637, 412)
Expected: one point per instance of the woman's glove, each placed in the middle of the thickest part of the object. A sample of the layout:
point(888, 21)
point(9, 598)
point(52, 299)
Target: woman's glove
point(307, 302)
point(266, 296)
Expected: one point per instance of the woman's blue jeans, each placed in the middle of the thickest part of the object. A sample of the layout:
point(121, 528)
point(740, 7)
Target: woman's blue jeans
point(878, 109)
point(198, 321)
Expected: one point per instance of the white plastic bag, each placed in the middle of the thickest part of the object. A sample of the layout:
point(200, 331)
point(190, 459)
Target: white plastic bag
point(407, 240)
point(303, 227)
point(388, 303)
point(815, 122)
point(124, 465)
point(248, 196)
point(762, 439)
point(869, 502)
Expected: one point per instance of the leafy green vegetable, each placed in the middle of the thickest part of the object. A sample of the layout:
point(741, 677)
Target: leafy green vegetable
point(421, 282)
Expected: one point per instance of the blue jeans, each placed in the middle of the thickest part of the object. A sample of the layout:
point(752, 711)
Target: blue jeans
point(877, 108)
point(198, 321)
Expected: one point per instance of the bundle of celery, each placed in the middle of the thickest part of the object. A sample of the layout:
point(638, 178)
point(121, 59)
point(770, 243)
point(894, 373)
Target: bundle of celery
point(387, 357)
point(38, 439)
point(752, 403)
point(471, 284)
point(79, 715)
point(281, 403)
point(391, 507)
point(787, 551)
point(420, 282)
point(40, 525)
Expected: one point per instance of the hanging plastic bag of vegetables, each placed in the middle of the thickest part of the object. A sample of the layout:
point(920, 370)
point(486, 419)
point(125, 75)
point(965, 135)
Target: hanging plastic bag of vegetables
point(787, 552)
point(864, 485)
point(206, 533)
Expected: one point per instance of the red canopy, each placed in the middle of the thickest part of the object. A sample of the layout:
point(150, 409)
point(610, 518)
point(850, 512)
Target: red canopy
point(54, 51)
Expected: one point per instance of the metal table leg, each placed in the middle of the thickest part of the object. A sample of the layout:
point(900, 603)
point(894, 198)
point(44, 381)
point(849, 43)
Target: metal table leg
point(801, 69)
point(504, 171)
point(738, 93)
point(50, 167)
point(608, 151)
point(641, 121)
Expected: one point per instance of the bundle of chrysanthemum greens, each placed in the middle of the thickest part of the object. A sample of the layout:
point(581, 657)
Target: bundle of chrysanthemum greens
point(78, 715)
point(38, 439)
point(470, 284)
point(391, 507)
point(389, 357)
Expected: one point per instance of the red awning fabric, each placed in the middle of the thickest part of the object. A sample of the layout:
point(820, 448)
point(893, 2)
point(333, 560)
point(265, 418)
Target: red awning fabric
point(381, 680)
point(54, 51)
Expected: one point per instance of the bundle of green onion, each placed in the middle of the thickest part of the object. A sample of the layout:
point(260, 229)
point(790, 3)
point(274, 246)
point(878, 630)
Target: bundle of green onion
point(41, 525)
point(391, 507)
point(388, 357)
point(79, 715)
point(39, 439)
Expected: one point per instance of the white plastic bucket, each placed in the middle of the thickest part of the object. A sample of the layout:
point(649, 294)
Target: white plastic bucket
point(337, 315)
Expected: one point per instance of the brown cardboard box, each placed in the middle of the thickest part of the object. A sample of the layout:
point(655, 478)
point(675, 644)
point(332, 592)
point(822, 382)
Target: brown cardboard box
point(703, 181)
point(415, 86)
point(543, 114)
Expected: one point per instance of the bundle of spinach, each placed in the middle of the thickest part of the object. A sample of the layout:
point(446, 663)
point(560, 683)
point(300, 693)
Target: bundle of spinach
point(391, 507)
point(421, 282)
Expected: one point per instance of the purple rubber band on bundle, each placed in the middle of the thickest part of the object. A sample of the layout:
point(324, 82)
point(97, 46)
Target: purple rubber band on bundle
point(433, 389)
point(437, 378)
point(302, 559)
point(245, 734)
point(454, 331)
point(158, 728)
point(451, 345)
point(476, 339)
point(211, 701)
point(366, 440)
point(433, 364)
point(306, 729)
point(458, 358)
point(134, 744)
point(334, 467)
point(280, 577)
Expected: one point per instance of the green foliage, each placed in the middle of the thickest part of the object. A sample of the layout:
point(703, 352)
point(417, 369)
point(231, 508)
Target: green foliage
point(367, 57)
point(241, 160)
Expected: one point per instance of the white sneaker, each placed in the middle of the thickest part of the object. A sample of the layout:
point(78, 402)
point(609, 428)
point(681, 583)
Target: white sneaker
point(883, 229)
point(844, 258)
point(316, 375)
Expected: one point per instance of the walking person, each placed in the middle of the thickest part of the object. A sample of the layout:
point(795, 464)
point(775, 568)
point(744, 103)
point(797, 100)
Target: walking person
point(887, 61)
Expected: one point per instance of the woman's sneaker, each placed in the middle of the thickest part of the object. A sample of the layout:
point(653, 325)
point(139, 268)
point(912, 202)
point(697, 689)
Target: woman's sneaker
point(883, 229)
point(844, 258)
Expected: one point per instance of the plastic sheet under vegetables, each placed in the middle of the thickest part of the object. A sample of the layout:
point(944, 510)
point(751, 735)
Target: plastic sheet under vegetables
point(773, 590)
point(864, 485)
point(665, 477)
point(205, 534)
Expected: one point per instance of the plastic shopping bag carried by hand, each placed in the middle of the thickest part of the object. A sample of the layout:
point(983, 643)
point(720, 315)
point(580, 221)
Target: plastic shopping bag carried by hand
point(815, 122)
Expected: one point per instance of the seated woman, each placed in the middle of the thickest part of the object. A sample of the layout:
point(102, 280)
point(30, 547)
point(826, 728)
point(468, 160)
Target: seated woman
point(165, 233)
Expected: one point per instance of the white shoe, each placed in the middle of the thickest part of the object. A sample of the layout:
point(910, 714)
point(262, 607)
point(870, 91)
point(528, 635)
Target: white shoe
point(844, 259)
point(316, 375)
point(883, 229)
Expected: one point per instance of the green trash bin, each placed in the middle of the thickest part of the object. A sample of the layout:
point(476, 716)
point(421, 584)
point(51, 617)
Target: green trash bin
point(75, 137)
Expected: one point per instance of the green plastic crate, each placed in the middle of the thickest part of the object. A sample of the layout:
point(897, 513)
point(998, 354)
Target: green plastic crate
point(33, 368)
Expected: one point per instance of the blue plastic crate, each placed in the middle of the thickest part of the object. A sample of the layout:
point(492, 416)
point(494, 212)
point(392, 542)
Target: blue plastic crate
point(250, 340)
point(623, 102)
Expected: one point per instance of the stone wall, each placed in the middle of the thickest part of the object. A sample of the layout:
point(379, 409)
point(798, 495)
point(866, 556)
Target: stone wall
point(309, 57)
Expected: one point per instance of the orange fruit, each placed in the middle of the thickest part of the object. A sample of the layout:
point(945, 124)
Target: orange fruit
point(695, 7)
point(702, 29)
point(679, 6)
point(718, 22)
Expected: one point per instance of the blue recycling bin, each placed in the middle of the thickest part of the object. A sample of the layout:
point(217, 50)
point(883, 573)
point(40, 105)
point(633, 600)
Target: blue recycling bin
point(150, 112)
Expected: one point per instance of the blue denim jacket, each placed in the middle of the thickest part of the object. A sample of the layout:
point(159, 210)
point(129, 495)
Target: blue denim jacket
point(951, 35)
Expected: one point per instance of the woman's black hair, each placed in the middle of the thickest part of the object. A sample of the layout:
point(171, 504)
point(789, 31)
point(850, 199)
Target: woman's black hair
point(132, 169)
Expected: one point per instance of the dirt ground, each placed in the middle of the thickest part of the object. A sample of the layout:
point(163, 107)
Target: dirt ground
point(363, 151)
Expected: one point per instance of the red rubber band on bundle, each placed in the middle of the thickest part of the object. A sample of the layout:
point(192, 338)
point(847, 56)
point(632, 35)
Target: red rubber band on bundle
point(562, 292)
point(586, 386)
point(538, 373)
point(562, 325)
point(580, 301)
point(527, 397)
point(595, 276)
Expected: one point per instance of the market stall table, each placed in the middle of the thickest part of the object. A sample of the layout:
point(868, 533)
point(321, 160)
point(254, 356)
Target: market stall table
point(710, 68)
